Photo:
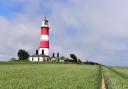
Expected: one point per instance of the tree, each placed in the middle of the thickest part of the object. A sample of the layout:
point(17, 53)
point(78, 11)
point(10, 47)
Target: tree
point(62, 58)
point(68, 60)
point(73, 56)
point(79, 61)
point(23, 55)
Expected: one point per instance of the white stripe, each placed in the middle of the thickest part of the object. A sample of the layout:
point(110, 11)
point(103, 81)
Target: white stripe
point(44, 37)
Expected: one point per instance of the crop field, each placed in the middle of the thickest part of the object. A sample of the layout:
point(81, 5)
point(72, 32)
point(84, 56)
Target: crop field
point(116, 78)
point(49, 76)
point(61, 76)
point(123, 70)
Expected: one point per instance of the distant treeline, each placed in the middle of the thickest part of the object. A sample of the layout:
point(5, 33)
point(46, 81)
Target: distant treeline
point(91, 63)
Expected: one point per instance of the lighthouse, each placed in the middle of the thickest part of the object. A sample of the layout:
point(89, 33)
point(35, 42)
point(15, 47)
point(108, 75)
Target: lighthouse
point(42, 53)
point(44, 38)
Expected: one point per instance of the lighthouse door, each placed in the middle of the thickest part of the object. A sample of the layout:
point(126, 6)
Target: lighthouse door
point(43, 52)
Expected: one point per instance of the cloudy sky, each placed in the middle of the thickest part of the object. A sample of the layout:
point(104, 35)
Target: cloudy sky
point(96, 30)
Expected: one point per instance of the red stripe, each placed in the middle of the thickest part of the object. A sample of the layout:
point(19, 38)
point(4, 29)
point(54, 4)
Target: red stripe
point(45, 30)
point(44, 44)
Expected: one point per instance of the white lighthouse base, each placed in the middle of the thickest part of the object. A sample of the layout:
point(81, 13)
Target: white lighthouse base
point(44, 51)
point(38, 58)
point(41, 55)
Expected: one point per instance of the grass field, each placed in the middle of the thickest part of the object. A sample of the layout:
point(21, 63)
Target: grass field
point(123, 70)
point(61, 76)
point(49, 76)
point(116, 77)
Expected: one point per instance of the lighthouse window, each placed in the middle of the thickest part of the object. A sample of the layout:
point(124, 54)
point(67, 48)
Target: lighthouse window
point(43, 52)
point(46, 23)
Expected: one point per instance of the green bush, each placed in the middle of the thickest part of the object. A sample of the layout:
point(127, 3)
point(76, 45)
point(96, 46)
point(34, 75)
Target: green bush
point(12, 59)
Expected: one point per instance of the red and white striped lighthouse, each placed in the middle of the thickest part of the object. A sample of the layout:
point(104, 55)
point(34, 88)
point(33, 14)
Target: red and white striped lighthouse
point(44, 38)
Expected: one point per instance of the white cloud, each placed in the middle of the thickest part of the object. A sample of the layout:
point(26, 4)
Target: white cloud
point(100, 25)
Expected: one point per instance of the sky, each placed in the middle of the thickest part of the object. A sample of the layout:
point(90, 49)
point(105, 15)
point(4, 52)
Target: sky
point(94, 30)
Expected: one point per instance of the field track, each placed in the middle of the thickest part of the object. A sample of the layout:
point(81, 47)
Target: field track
point(103, 83)
point(114, 78)
point(103, 86)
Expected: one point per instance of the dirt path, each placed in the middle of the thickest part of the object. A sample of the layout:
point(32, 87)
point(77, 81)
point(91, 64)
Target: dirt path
point(103, 83)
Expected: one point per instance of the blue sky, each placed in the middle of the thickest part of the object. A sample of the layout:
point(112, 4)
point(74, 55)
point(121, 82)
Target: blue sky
point(8, 9)
point(95, 30)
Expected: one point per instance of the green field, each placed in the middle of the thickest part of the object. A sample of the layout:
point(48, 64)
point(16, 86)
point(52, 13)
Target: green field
point(116, 77)
point(60, 76)
point(49, 76)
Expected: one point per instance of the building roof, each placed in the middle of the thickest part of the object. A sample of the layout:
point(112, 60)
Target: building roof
point(41, 55)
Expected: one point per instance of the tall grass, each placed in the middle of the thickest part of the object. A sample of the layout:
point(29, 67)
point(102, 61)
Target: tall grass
point(115, 79)
point(49, 76)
